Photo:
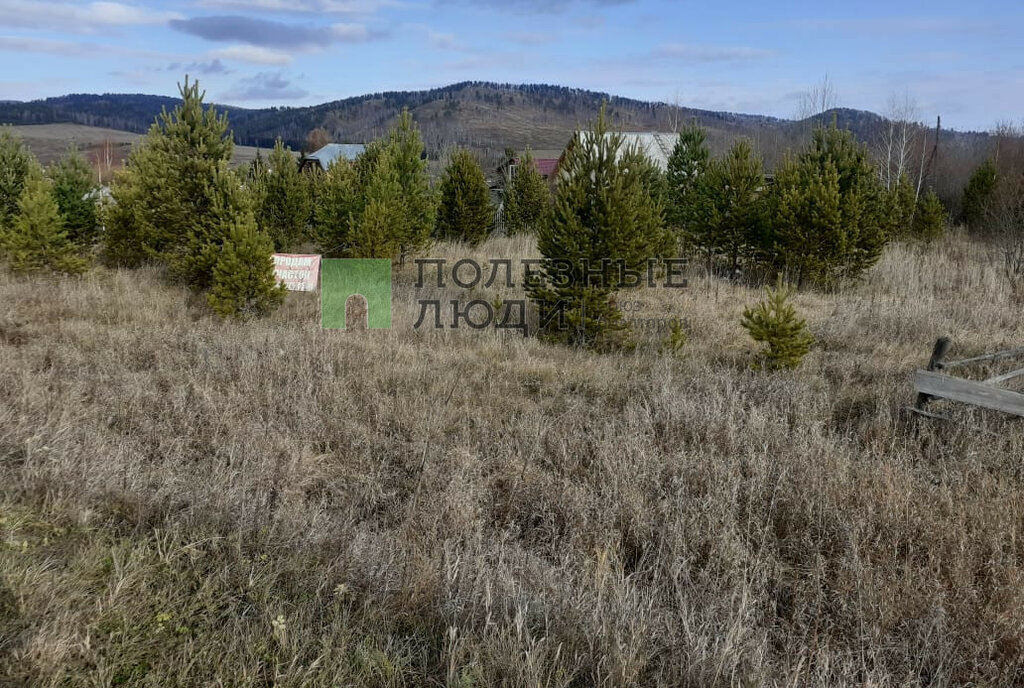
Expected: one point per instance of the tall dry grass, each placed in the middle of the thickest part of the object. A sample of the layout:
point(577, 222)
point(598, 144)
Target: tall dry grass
point(197, 503)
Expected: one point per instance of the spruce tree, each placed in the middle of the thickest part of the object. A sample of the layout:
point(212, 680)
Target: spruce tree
point(243, 281)
point(15, 164)
point(689, 160)
point(36, 239)
point(930, 218)
point(774, 323)
point(284, 201)
point(979, 195)
point(604, 223)
point(73, 187)
point(527, 199)
point(465, 213)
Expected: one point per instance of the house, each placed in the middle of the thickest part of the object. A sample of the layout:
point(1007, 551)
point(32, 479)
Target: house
point(656, 145)
point(322, 159)
point(545, 165)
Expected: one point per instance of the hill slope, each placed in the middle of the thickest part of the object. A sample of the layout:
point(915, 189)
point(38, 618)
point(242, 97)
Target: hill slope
point(481, 115)
point(488, 118)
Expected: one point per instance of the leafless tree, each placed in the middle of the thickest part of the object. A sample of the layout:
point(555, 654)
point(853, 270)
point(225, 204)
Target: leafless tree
point(904, 147)
point(1007, 210)
point(103, 160)
point(819, 99)
point(317, 139)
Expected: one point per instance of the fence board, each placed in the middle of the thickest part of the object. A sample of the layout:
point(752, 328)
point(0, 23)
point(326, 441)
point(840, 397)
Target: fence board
point(969, 392)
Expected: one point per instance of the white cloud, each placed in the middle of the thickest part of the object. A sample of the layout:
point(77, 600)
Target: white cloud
point(267, 87)
point(26, 44)
point(22, 44)
point(253, 54)
point(33, 14)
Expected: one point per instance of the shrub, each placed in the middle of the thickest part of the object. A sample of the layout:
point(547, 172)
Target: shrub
point(774, 323)
point(675, 340)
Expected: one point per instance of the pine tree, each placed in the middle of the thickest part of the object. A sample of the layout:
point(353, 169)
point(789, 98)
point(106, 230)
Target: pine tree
point(774, 323)
point(930, 218)
point(243, 282)
point(374, 234)
point(37, 239)
point(73, 187)
point(192, 258)
point(898, 205)
point(417, 200)
point(15, 164)
point(339, 206)
point(163, 191)
point(807, 230)
point(729, 219)
point(527, 200)
point(284, 201)
point(689, 160)
point(828, 222)
point(634, 160)
point(604, 222)
point(465, 213)
point(979, 195)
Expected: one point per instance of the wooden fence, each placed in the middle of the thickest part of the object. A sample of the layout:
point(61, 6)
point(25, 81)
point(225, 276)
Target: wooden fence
point(932, 383)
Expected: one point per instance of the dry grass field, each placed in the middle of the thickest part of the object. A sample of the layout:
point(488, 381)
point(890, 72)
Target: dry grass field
point(190, 502)
point(48, 142)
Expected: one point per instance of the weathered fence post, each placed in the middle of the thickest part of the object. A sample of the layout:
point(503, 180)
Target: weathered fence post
point(934, 363)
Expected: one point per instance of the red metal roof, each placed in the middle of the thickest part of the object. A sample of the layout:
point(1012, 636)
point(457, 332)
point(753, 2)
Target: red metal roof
point(546, 166)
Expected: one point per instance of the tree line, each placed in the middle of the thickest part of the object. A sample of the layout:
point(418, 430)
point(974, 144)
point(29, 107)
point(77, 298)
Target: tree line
point(823, 218)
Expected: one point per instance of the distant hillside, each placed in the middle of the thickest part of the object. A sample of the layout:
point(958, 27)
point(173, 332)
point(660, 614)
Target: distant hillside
point(48, 142)
point(486, 117)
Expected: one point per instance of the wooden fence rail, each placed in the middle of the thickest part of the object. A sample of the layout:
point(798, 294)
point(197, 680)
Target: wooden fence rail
point(932, 384)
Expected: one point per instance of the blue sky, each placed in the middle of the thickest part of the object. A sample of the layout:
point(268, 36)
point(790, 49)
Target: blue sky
point(964, 61)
